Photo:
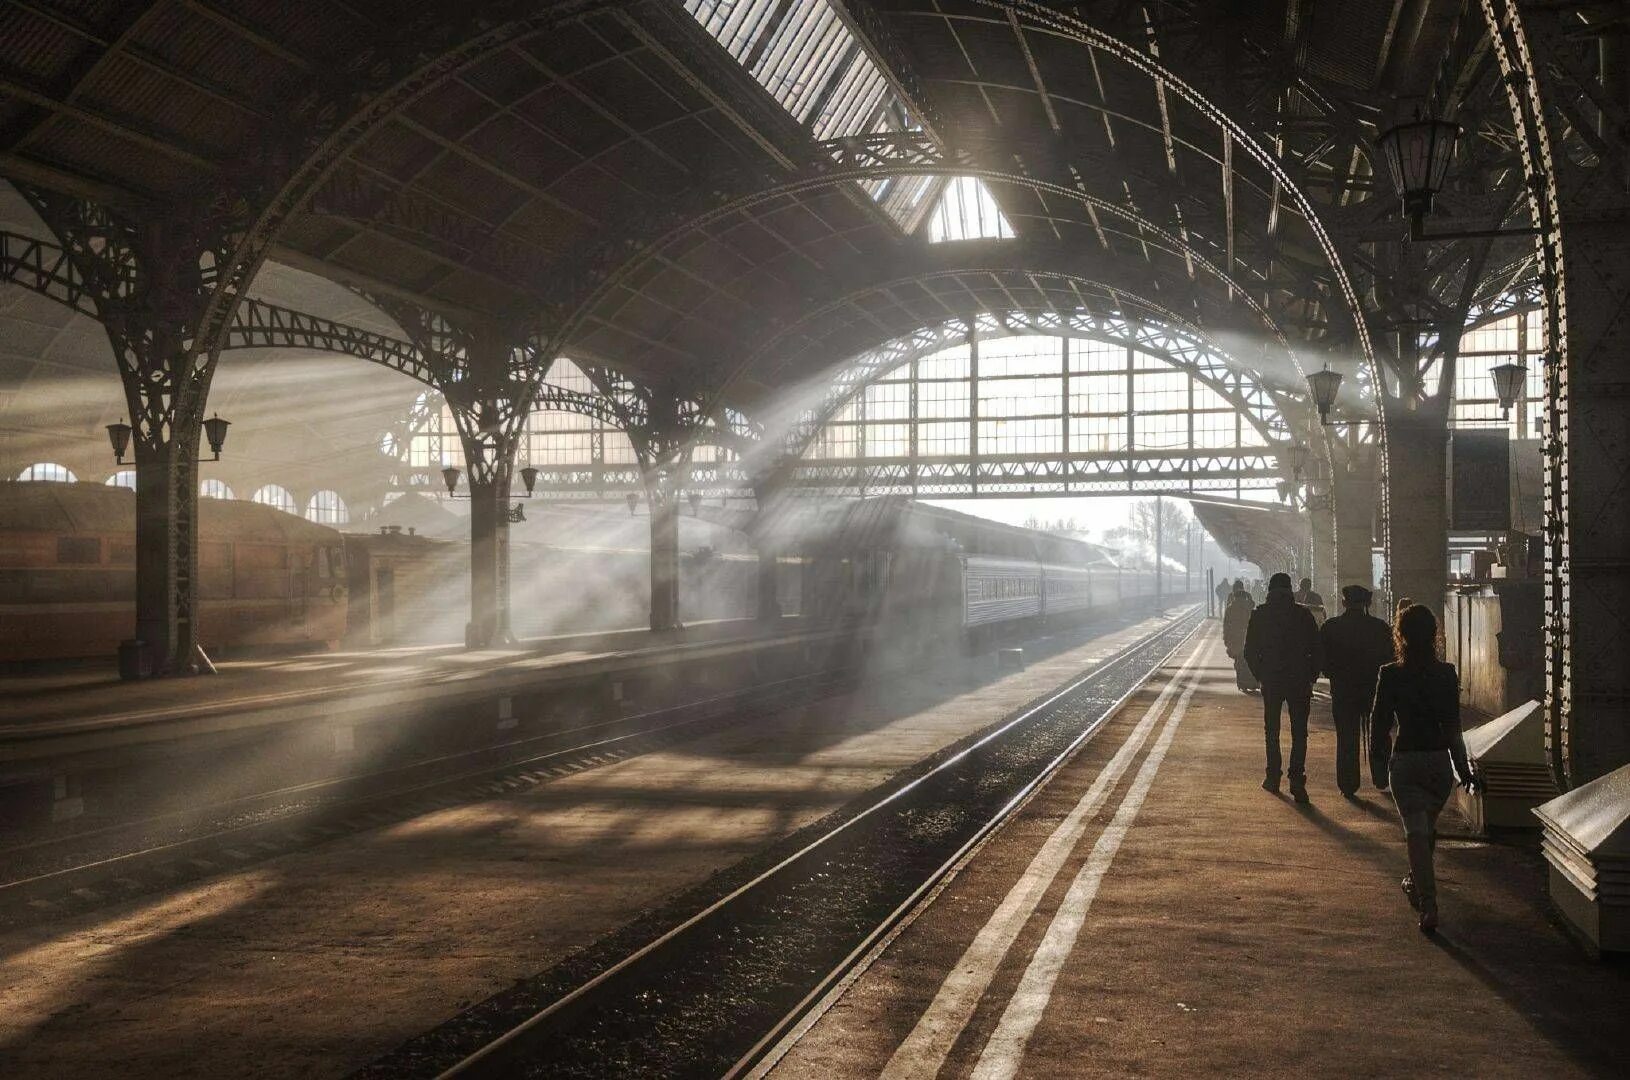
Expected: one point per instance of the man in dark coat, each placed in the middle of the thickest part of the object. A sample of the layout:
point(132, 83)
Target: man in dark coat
point(1236, 618)
point(1282, 648)
point(1356, 644)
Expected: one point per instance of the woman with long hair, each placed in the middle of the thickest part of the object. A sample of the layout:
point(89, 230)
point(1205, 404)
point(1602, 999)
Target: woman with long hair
point(1418, 694)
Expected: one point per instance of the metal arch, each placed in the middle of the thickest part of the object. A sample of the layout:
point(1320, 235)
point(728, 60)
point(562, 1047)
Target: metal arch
point(693, 422)
point(49, 270)
point(259, 325)
point(1231, 380)
point(1113, 293)
point(915, 167)
point(363, 119)
point(1068, 26)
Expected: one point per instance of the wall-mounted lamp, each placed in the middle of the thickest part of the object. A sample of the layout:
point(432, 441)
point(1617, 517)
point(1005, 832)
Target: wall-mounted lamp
point(1418, 153)
point(214, 434)
point(528, 476)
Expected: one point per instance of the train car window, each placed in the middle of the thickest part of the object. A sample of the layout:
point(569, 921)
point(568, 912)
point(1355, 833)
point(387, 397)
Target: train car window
point(322, 562)
point(79, 550)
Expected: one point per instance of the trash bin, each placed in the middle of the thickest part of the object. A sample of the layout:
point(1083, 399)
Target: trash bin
point(133, 663)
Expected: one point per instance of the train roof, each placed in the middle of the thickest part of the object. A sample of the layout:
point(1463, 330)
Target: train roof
point(53, 507)
point(893, 521)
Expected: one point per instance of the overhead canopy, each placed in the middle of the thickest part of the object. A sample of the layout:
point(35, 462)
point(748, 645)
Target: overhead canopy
point(1269, 537)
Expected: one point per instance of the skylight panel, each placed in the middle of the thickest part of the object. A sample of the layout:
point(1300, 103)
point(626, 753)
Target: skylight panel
point(968, 211)
point(805, 55)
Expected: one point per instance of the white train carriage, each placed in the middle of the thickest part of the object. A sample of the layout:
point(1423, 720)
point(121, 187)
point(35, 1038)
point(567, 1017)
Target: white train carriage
point(1067, 589)
point(999, 590)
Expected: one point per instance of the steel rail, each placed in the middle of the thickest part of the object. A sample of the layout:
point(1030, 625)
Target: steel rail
point(493, 1058)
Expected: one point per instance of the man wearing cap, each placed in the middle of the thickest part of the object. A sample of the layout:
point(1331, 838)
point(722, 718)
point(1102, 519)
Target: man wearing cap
point(1356, 644)
point(1283, 649)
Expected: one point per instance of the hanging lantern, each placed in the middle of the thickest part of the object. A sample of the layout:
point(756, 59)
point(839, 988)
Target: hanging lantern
point(1418, 154)
point(119, 436)
point(1298, 459)
point(1508, 385)
point(449, 476)
point(1323, 385)
point(215, 433)
point(529, 477)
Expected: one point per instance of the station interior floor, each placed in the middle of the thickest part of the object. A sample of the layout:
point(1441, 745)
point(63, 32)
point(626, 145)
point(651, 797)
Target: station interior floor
point(1150, 911)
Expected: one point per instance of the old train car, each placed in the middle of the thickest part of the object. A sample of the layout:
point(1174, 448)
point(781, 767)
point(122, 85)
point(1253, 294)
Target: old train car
point(68, 574)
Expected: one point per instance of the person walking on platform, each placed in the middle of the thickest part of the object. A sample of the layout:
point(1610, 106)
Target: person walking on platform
point(1283, 651)
point(1223, 593)
point(1311, 600)
point(1355, 645)
point(1236, 618)
point(1419, 694)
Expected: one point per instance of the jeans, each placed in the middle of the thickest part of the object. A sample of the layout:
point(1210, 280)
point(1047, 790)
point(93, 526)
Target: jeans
point(1348, 712)
point(1300, 699)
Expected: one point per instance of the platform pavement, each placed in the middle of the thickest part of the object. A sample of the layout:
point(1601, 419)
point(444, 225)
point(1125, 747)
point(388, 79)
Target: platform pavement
point(315, 962)
point(81, 701)
point(1197, 925)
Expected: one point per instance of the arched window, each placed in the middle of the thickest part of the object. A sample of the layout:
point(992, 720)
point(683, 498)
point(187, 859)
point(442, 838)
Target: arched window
point(215, 489)
point(277, 496)
point(327, 508)
point(125, 478)
point(48, 470)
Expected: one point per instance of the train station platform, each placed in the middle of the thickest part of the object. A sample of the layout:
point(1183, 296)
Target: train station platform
point(316, 957)
point(84, 709)
point(1153, 912)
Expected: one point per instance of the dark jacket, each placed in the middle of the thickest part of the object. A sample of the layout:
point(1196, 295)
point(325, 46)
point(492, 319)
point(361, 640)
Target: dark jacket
point(1282, 642)
point(1423, 703)
point(1355, 645)
point(1236, 617)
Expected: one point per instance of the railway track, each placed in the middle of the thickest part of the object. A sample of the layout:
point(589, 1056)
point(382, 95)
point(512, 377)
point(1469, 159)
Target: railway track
point(715, 994)
point(52, 877)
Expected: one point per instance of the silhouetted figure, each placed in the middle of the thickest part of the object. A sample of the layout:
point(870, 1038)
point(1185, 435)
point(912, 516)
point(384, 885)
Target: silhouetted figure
point(1222, 597)
point(1355, 644)
point(1311, 600)
point(1259, 592)
point(1282, 648)
point(1236, 619)
point(1420, 695)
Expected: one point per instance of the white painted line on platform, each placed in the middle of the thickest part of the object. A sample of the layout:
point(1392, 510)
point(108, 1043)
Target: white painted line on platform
point(1004, 1053)
point(925, 1049)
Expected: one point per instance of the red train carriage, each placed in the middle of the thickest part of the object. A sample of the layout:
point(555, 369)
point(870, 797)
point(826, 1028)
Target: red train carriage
point(68, 574)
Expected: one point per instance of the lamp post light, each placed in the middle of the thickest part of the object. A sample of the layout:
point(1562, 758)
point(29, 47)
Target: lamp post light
point(214, 434)
point(1418, 153)
point(1508, 384)
point(450, 475)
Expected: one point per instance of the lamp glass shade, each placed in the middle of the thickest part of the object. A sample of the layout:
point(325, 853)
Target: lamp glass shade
point(1508, 380)
point(449, 476)
point(1298, 458)
point(119, 438)
point(529, 477)
point(1323, 385)
point(215, 433)
point(1418, 154)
